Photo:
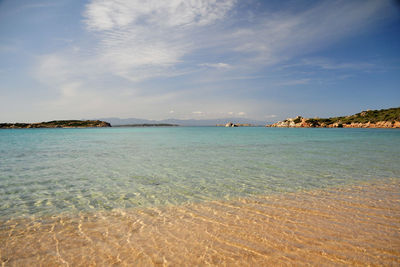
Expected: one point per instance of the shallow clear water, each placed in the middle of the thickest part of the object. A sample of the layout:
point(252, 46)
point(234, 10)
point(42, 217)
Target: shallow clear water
point(54, 171)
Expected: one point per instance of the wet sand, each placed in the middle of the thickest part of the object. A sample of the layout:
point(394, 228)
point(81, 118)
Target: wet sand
point(353, 225)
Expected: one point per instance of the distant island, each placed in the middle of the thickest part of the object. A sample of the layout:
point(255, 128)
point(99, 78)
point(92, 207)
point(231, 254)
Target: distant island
point(384, 118)
point(181, 122)
point(148, 125)
point(231, 124)
point(57, 124)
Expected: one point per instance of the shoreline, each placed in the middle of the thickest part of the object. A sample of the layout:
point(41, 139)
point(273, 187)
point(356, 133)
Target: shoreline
point(355, 224)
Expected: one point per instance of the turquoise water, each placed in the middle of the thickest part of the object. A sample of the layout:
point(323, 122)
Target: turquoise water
point(53, 171)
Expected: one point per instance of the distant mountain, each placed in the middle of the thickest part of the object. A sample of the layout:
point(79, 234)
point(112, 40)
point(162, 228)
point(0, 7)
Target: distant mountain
point(147, 125)
point(190, 122)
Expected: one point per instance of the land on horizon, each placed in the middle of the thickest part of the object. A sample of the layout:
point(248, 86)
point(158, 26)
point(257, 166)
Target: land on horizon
point(383, 118)
point(182, 122)
point(57, 124)
point(196, 61)
point(148, 125)
point(119, 146)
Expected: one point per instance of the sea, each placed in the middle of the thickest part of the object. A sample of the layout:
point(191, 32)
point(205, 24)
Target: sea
point(199, 196)
point(67, 171)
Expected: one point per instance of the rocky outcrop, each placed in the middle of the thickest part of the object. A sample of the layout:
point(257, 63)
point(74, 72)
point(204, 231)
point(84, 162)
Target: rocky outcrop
point(300, 122)
point(230, 124)
point(379, 124)
point(56, 124)
point(384, 118)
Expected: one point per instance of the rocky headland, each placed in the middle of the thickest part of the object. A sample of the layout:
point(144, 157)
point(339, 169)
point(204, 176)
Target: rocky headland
point(384, 118)
point(57, 124)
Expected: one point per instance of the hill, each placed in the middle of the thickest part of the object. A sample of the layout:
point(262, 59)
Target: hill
point(384, 118)
point(57, 124)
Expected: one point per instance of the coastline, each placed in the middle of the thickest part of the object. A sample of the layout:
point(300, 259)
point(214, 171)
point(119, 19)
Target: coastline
point(384, 118)
point(57, 124)
point(300, 122)
point(348, 225)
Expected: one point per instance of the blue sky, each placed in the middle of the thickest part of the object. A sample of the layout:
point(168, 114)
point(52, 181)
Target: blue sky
point(202, 59)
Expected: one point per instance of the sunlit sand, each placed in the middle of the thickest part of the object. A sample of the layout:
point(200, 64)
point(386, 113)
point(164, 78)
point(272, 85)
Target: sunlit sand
point(354, 225)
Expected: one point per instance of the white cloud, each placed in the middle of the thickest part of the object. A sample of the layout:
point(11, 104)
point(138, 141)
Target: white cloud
point(136, 41)
point(139, 40)
point(219, 65)
point(106, 15)
point(279, 36)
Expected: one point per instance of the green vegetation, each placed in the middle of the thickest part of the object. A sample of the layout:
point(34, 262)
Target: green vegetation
point(57, 124)
point(313, 122)
point(372, 116)
point(298, 119)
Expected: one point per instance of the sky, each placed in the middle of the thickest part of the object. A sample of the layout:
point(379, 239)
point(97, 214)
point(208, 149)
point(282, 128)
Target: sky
point(197, 59)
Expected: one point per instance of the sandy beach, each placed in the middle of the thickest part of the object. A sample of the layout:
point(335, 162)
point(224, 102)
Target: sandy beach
point(199, 133)
point(352, 225)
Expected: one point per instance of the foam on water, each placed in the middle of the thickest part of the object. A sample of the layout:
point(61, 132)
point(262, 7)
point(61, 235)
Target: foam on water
point(54, 171)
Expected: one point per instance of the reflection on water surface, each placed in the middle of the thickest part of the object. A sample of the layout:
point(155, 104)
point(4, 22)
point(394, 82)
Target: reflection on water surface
point(353, 225)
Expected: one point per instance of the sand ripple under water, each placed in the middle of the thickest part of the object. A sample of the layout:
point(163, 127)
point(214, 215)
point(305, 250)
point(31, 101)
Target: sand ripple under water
point(354, 225)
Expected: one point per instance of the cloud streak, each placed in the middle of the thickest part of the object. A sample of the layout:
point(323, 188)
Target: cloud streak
point(219, 65)
point(140, 40)
point(118, 14)
point(134, 44)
